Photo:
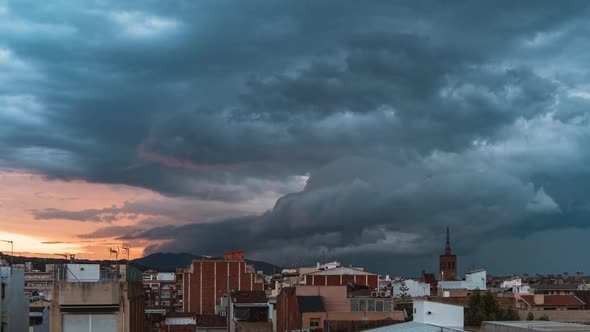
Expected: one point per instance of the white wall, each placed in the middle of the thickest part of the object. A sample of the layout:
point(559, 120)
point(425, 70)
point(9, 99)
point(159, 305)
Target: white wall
point(440, 314)
point(415, 288)
point(166, 276)
point(180, 320)
point(82, 272)
point(14, 307)
point(512, 283)
point(478, 279)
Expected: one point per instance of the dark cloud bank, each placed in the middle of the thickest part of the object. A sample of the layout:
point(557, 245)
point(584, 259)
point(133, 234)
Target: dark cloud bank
point(406, 116)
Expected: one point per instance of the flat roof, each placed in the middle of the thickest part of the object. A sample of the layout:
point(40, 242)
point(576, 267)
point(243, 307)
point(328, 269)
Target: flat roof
point(415, 327)
point(541, 325)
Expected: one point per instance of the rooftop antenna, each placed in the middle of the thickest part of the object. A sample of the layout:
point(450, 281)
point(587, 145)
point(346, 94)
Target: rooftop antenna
point(115, 252)
point(125, 247)
point(11, 250)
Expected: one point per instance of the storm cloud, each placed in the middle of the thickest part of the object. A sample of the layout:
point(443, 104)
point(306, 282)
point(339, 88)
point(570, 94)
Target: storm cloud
point(289, 129)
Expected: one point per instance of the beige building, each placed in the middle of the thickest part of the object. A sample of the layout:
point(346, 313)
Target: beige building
point(323, 307)
point(88, 297)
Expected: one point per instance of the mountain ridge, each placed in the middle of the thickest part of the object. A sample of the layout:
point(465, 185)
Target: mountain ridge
point(168, 262)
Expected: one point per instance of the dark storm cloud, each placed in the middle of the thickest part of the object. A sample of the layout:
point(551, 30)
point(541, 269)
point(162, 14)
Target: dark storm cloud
point(408, 115)
point(95, 215)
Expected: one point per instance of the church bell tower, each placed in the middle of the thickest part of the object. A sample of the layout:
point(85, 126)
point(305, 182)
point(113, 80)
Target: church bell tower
point(448, 263)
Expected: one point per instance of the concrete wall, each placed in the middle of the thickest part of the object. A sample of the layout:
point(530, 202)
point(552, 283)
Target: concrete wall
point(438, 313)
point(81, 293)
point(127, 295)
point(14, 307)
point(569, 316)
point(335, 298)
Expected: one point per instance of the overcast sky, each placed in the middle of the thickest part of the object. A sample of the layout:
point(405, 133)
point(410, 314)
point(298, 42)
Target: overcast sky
point(352, 130)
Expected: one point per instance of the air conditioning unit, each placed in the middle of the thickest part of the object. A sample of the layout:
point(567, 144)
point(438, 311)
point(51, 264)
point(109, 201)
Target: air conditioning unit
point(304, 330)
point(222, 313)
point(382, 294)
point(375, 294)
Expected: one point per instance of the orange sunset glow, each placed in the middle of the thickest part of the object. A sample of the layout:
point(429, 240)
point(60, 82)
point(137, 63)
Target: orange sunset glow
point(24, 192)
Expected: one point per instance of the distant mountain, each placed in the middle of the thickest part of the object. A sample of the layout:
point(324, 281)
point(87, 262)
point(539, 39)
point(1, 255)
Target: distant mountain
point(168, 262)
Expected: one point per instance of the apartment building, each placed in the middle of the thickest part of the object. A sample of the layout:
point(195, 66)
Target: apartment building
point(203, 285)
point(94, 298)
point(160, 290)
point(333, 307)
point(14, 304)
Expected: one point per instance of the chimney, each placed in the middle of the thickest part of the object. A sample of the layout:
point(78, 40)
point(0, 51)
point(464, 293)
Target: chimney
point(539, 299)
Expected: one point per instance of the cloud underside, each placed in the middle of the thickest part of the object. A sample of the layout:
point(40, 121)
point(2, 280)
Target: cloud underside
point(374, 126)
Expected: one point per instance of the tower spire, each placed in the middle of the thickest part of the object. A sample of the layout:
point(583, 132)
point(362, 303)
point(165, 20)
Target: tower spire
point(448, 245)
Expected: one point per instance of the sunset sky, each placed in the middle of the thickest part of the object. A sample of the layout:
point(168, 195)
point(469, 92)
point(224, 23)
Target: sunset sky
point(296, 130)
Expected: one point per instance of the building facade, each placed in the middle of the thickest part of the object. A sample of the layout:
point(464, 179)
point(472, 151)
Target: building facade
point(341, 276)
point(39, 285)
point(160, 290)
point(474, 281)
point(14, 304)
point(205, 282)
point(324, 307)
point(88, 297)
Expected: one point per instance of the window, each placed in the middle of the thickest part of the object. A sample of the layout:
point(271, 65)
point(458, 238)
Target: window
point(3, 291)
point(314, 322)
point(379, 306)
point(354, 306)
point(362, 305)
point(387, 306)
point(371, 305)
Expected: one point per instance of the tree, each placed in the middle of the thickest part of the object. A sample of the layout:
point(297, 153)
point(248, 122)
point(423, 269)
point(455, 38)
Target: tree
point(510, 314)
point(486, 307)
point(530, 316)
point(544, 317)
point(404, 302)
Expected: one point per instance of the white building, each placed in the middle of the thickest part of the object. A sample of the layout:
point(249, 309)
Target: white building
point(430, 317)
point(415, 288)
point(14, 304)
point(439, 314)
point(516, 286)
point(474, 280)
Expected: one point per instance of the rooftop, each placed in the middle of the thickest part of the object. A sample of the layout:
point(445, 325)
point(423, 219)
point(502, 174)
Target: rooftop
point(415, 327)
point(342, 270)
point(556, 287)
point(554, 300)
point(541, 325)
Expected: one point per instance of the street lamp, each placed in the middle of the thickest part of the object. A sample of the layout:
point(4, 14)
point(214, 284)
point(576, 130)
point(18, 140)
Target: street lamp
point(11, 250)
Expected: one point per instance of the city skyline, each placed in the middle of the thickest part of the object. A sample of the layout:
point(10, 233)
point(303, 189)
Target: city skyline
point(299, 130)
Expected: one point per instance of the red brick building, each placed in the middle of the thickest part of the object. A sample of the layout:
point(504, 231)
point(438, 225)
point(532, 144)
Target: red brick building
point(342, 276)
point(204, 283)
